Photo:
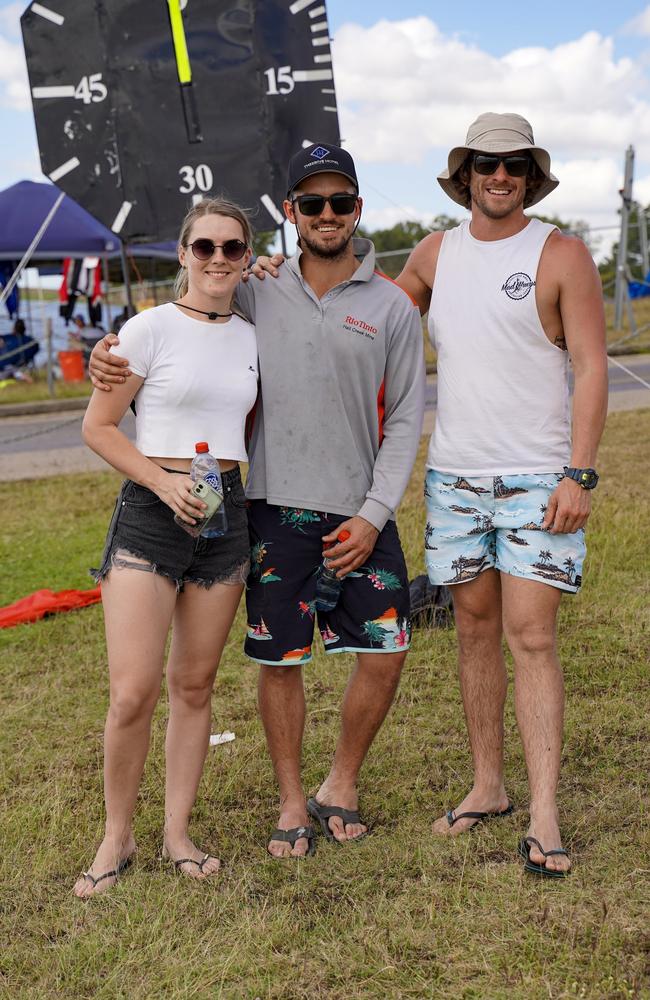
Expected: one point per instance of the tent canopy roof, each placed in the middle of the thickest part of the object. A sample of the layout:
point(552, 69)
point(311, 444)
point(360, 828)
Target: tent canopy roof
point(73, 232)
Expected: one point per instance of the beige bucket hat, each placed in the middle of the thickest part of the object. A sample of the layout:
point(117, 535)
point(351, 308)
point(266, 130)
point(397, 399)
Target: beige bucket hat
point(494, 133)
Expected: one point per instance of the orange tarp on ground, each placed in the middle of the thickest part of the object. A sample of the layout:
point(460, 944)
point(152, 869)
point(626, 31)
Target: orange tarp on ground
point(47, 602)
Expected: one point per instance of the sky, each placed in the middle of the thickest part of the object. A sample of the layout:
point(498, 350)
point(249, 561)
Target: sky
point(410, 77)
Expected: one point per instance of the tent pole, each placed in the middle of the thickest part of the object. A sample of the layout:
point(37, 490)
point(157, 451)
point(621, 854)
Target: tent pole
point(7, 290)
point(107, 300)
point(621, 258)
point(48, 344)
point(126, 275)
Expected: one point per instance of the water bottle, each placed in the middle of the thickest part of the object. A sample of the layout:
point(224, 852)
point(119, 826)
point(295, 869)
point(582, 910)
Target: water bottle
point(205, 468)
point(328, 584)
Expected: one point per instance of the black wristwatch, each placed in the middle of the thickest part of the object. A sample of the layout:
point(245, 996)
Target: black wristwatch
point(587, 478)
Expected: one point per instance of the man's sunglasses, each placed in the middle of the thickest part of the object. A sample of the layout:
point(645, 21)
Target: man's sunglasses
point(516, 166)
point(204, 248)
point(313, 204)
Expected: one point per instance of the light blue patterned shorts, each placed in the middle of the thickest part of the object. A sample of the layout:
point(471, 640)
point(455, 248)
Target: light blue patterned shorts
point(488, 522)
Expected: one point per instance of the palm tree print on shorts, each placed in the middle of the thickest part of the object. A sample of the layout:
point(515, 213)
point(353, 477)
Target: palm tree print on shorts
point(295, 517)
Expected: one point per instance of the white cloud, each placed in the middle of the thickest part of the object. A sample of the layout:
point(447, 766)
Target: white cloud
point(585, 184)
point(405, 88)
point(10, 19)
point(642, 190)
point(386, 218)
point(639, 25)
point(14, 85)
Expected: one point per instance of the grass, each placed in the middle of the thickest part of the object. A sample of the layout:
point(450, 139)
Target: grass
point(400, 915)
point(12, 392)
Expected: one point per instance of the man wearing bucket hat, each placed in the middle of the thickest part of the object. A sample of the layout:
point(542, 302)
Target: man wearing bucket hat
point(334, 440)
point(510, 300)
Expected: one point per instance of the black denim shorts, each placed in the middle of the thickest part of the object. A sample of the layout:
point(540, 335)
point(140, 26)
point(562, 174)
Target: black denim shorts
point(143, 527)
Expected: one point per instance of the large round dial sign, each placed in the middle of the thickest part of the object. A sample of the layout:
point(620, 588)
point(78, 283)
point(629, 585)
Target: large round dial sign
point(144, 106)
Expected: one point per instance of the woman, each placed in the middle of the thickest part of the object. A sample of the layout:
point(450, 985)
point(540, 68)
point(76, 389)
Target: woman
point(194, 378)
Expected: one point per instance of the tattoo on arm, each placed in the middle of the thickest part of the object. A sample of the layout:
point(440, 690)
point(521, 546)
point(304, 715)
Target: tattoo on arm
point(560, 342)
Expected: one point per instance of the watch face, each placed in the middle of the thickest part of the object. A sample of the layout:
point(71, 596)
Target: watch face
point(588, 478)
point(143, 107)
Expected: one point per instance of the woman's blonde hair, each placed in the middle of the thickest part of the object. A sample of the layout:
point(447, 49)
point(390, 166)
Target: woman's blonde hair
point(209, 206)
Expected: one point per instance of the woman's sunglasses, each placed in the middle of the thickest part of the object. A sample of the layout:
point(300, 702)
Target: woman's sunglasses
point(313, 204)
point(204, 248)
point(516, 166)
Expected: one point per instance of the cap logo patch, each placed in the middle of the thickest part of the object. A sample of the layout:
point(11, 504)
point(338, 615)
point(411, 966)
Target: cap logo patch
point(319, 152)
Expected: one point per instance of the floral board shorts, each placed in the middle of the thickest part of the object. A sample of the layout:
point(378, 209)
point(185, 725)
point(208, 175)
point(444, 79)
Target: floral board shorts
point(371, 616)
point(486, 522)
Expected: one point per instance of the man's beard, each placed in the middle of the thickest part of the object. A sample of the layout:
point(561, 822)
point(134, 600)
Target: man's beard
point(497, 212)
point(325, 253)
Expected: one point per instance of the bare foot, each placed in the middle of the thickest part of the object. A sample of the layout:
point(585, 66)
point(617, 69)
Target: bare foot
point(330, 794)
point(188, 859)
point(544, 827)
point(110, 857)
point(291, 816)
point(476, 801)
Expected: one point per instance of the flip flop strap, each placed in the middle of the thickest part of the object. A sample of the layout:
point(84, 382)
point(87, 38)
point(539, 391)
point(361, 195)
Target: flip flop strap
point(453, 818)
point(294, 834)
point(547, 854)
point(96, 881)
point(192, 861)
point(347, 815)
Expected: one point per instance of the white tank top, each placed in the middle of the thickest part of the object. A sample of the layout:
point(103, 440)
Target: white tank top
point(503, 400)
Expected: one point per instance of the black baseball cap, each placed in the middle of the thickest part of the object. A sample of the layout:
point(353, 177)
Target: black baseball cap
point(320, 157)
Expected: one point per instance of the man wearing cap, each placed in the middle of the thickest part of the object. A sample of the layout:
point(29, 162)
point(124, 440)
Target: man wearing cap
point(333, 443)
point(510, 300)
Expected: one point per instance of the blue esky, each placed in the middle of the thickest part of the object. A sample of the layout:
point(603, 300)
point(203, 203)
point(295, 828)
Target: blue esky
point(411, 76)
point(497, 29)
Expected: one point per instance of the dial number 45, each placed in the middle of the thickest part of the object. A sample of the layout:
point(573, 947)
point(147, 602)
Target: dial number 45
point(91, 89)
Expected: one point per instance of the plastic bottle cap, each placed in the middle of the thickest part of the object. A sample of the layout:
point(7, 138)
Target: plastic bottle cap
point(343, 535)
point(201, 447)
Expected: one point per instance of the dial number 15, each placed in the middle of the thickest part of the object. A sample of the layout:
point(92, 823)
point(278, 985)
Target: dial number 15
point(279, 81)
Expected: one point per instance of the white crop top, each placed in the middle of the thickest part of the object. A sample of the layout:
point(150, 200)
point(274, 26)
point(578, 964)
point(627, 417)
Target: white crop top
point(200, 382)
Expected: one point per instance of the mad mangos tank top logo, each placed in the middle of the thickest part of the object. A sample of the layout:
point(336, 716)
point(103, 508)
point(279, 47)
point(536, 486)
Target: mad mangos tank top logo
point(518, 285)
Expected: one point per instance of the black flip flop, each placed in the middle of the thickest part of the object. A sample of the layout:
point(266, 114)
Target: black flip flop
point(322, 813)
point(480, 817)
point(115, 873)
point(294, 834)
point(532, 866)
point(191, 861)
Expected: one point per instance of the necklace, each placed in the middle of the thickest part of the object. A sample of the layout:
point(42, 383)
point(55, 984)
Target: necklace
point(210, 315)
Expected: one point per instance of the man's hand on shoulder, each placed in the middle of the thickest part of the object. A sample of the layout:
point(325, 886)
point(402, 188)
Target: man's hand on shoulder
point(347, 556)
point(105, 368)
point(265, 265)
point(568, 508)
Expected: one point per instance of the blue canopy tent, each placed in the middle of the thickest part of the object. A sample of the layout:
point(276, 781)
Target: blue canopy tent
point(73, 232)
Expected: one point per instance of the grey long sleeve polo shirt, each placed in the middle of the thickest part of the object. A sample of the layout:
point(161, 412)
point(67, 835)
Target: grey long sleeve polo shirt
point(342, 391)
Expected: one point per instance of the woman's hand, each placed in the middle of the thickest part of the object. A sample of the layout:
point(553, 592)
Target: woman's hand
point(175, 490)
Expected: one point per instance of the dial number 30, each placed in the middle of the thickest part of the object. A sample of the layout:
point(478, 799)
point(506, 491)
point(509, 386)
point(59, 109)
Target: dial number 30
point(195, 177)
point(91, 89)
